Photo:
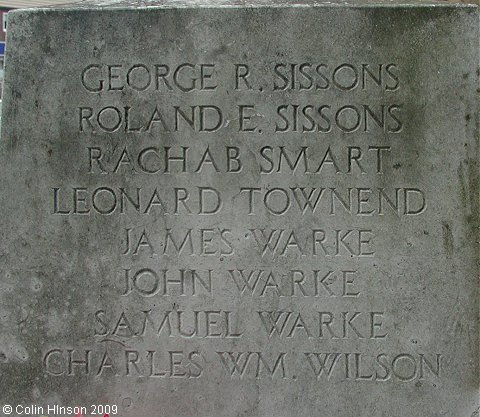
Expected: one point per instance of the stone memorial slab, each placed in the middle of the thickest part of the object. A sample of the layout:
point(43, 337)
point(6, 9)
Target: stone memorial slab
point(226, 209)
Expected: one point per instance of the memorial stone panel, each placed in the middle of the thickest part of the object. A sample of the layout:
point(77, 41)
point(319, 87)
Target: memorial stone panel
point(213, 209)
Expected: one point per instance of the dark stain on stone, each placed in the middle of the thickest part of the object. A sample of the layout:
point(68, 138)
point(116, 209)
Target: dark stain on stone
point(462, 188)
point(222, 50)
point(447, 238)
point(474, 189)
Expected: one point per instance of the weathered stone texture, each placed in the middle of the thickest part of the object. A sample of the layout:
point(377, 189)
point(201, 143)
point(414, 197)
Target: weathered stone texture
point(326, 181)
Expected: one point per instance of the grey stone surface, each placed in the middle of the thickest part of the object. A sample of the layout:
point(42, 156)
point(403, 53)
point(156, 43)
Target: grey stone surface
point(293, 188)
point(126, 4)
